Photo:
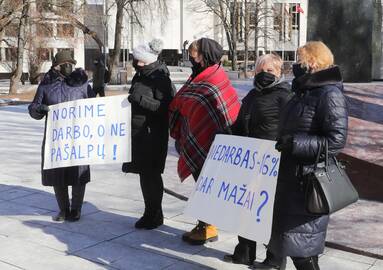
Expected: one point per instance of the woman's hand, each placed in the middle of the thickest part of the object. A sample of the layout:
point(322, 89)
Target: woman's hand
point(285, 143)
point(42, 108)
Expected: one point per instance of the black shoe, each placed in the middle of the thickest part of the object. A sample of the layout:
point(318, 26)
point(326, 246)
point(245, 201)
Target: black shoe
point(310, 263)
point(233, 259)
point(268, 265)
point(150, 222)
point(74, 215)
point(61, 216)
point(244, 253)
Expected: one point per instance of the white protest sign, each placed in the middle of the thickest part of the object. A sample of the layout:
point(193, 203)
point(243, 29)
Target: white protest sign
point(88, 131)
point(236, 188)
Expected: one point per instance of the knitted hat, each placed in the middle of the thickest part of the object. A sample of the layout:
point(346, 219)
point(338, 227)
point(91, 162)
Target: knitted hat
point(148, 52)
point(64, 56)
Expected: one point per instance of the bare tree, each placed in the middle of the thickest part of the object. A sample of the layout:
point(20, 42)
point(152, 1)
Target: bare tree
point(136, 9)
point(249, 17)
point(16, 76)
point(227, 13)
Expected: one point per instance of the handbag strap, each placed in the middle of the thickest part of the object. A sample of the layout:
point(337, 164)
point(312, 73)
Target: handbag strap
point(320, 152)
point(326, 154)
point(318, 156)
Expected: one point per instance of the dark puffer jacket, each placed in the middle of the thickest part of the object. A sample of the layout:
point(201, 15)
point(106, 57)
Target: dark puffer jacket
point(53, 89)
point(317, 112)
point(150, 95)
point(260, 112)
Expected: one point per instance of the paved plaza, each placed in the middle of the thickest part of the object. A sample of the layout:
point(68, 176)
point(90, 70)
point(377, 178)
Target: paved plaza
point(105, 237)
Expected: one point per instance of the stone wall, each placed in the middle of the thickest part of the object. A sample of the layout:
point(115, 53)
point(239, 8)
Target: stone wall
point(352, 30)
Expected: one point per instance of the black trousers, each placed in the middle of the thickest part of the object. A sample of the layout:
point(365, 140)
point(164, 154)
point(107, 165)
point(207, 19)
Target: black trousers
point(99, 91)
point(246, 250)
point(62, 197)
point(152, 188)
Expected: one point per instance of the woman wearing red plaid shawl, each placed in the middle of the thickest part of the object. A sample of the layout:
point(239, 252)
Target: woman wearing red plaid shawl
point(205, 105)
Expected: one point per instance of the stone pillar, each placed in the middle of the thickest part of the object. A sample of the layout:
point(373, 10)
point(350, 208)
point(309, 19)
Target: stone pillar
point(353, 31)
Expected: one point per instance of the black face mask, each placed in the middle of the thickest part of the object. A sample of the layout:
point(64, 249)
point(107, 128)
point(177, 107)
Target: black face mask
point(66, 69)
point(263, 79)
point(135, 65)
point(197, 68)
point(299, 71)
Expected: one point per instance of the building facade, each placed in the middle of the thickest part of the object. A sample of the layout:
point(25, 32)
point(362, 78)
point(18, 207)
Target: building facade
point(46, 34)
point(281, 28)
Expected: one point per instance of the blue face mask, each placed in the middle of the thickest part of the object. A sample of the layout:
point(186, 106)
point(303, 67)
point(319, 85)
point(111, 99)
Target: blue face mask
point(299, 71)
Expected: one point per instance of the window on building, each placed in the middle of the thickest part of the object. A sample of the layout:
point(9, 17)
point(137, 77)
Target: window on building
point(278, 24)
point(236, 18)
point(65, 30)
point(11, 30)
point(10, 54)
point(286, 19)
point(67, 5)
point(44, 30)
point(124, 53)
point(252, 11)
point(295, 16)
point(45, 54)
point(9, 5)
point(44, 5)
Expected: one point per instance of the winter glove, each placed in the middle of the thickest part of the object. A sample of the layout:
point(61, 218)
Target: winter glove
point(134, 98)
point(285, 143)
point(42, 109)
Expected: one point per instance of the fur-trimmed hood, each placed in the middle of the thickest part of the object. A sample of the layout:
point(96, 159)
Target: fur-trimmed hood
point(330, 76)
point(77, 78)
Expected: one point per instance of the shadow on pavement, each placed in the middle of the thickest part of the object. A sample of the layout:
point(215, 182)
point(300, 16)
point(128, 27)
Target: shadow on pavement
point(106, 238)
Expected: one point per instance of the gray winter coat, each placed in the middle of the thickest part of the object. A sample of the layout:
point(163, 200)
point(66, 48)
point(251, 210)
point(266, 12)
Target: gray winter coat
point(317, 112)
point(53, 90)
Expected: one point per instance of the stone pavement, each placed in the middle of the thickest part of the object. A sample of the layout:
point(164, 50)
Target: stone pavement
point(105, 237)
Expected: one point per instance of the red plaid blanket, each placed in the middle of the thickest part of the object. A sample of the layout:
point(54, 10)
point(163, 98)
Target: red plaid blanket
point(201, 108)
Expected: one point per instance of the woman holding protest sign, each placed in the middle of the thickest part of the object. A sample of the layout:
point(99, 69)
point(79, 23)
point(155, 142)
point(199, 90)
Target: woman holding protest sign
point(317, 113)
point(206, 104)
point(150, 95)
point(259, 118)
point(62, 84)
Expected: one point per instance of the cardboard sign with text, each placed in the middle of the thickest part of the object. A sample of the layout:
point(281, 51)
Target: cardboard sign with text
point(236, 188)
point(88, 131)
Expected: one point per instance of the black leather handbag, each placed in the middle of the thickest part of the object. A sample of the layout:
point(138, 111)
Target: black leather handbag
point(329, 189)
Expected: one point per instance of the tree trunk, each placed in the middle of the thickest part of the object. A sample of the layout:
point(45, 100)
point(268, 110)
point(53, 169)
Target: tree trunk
point(115, 57)
point(17, 73)
point(246, 40)
point(234, 23)
point(256, 32)
point(34, 62)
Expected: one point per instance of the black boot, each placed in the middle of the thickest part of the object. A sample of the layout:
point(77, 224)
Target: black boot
point(152, 191)
point(150, 221)
point(309, 263)
point(271, 262)
point(78, 193)
point(75, 215)
point(62, 215)
point(61, 194)
point(244, 252)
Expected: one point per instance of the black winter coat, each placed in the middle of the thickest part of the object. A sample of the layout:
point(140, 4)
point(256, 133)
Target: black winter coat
point(53, 89)
point(150, 95)
point(318, 111)
point(260, 112)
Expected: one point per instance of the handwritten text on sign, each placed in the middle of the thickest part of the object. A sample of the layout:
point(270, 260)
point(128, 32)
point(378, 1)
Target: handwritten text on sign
point(88, 131)
point(236, 188)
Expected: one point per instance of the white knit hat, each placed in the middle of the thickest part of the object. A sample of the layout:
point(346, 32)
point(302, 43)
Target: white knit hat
point(148, 52)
